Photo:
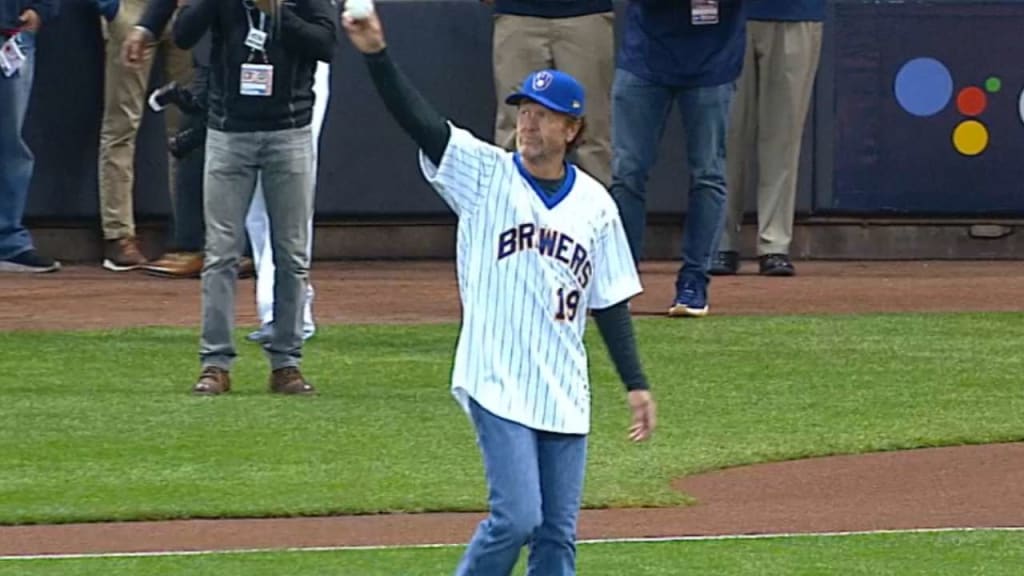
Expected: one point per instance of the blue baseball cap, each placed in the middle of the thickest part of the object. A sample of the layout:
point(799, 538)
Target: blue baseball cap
point(552, 89)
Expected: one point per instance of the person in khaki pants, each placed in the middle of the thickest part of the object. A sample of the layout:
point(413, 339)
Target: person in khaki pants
point(123, 101)
point(766, 129)
point(574, 36)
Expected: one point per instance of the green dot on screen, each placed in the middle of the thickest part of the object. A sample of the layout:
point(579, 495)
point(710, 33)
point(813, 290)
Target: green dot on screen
point(993, 84)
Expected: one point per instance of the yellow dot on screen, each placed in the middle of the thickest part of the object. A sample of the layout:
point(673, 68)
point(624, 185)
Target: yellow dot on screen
point(970, 138)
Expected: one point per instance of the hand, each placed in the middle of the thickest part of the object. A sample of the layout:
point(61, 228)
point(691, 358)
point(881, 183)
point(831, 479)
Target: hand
point(30, 20)
point(134, 47)
point(642, 406)
point(366, 34)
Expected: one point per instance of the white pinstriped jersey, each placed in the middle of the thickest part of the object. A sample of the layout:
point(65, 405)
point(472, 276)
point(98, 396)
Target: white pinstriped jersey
point(529, 266)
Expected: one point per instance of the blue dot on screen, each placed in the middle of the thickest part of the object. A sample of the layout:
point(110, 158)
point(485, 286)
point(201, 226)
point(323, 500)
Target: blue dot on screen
point(924, 86)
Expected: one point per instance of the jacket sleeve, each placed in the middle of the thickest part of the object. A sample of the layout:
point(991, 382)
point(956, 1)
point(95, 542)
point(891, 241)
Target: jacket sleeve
point(158, 13)
point(194, 19)
point(47, 9)
point(313, 36)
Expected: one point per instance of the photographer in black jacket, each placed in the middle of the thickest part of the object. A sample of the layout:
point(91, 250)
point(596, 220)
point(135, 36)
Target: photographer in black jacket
point(260, 105)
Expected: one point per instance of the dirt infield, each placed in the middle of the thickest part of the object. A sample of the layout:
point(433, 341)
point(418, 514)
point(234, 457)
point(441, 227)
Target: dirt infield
point(373, 292)
point(935, 488)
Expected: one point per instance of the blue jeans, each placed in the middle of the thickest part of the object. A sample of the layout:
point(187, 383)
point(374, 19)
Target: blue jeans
point(535, 482)
point(16, 160)
point(639, 112)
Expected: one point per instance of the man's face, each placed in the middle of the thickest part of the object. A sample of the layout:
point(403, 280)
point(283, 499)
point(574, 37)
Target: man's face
point(543, 134)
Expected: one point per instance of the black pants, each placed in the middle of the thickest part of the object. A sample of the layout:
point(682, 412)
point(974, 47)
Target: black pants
point(188, 234)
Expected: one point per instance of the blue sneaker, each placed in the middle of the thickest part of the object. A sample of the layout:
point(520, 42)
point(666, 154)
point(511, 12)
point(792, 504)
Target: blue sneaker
point(691, 300)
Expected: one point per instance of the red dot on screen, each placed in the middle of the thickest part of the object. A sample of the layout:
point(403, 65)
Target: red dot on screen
point(971, 101)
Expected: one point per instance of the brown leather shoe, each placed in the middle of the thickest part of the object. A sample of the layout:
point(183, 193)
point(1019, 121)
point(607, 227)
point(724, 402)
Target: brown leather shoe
point(122, 254)
point(176, 265)
point(290, 381)
point(246, 267)
point(212, 381)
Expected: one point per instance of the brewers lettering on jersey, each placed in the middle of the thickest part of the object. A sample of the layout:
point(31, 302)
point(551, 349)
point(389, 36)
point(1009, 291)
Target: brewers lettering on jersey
point(530, 264)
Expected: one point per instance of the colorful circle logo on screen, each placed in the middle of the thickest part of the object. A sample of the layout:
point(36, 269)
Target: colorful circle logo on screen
point(924, 87)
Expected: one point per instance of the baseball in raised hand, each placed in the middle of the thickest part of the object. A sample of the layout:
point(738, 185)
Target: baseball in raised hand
point(366, 33)
point(358, 9)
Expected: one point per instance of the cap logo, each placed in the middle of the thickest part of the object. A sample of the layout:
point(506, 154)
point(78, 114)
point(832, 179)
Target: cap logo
point(542, 80)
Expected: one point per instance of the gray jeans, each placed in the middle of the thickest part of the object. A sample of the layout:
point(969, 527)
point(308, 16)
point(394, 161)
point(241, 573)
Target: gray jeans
point(283, 159)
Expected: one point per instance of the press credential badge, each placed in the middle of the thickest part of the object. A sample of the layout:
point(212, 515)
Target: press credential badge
point(257, 80)
point(703, 12)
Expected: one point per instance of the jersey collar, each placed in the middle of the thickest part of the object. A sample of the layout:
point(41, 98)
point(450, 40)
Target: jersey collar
point(556, 198)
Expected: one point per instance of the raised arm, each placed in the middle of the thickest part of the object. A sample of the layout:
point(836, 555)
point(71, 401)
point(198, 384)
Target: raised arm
point(315, 35)
point(410, 109)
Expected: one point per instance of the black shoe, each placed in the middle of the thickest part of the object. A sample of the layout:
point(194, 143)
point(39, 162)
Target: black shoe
point(29, 261)
point(725, 264)
point(777, 265)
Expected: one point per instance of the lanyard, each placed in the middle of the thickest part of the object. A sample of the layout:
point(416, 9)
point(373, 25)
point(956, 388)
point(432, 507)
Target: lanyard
point(263, 19)
point(256, 38)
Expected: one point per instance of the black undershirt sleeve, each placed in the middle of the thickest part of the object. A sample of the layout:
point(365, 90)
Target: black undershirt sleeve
point(409, 108)
point(616, 327)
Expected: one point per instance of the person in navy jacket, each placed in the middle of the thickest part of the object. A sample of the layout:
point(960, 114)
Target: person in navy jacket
point(687, 53)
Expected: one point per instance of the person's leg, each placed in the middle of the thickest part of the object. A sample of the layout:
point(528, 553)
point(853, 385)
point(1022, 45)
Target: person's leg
point(705, 112)
point(124, 96)
point(739, 156)
point(639, 111)
point(17, 253)
point(563, 460)
point(792, 63)
point(514, 493)
point(521, 45)
point(584, 47)
point(287, 178)
point(231, 159)
point(188, 201)
point(184, 259)
point(178, 67)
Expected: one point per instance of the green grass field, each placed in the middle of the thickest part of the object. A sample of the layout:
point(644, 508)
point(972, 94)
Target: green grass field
point(988, 553)
point(100, 425)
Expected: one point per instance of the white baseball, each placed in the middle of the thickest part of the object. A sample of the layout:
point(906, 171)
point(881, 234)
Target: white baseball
point(359, 9)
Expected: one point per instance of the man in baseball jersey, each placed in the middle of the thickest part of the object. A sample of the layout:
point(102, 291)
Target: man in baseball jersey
point(257, 224)
point(539, 244)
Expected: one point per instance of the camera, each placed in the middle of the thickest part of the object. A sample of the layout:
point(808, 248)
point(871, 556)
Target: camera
point(170, 94)
point(194, 134)
point(186, 140)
